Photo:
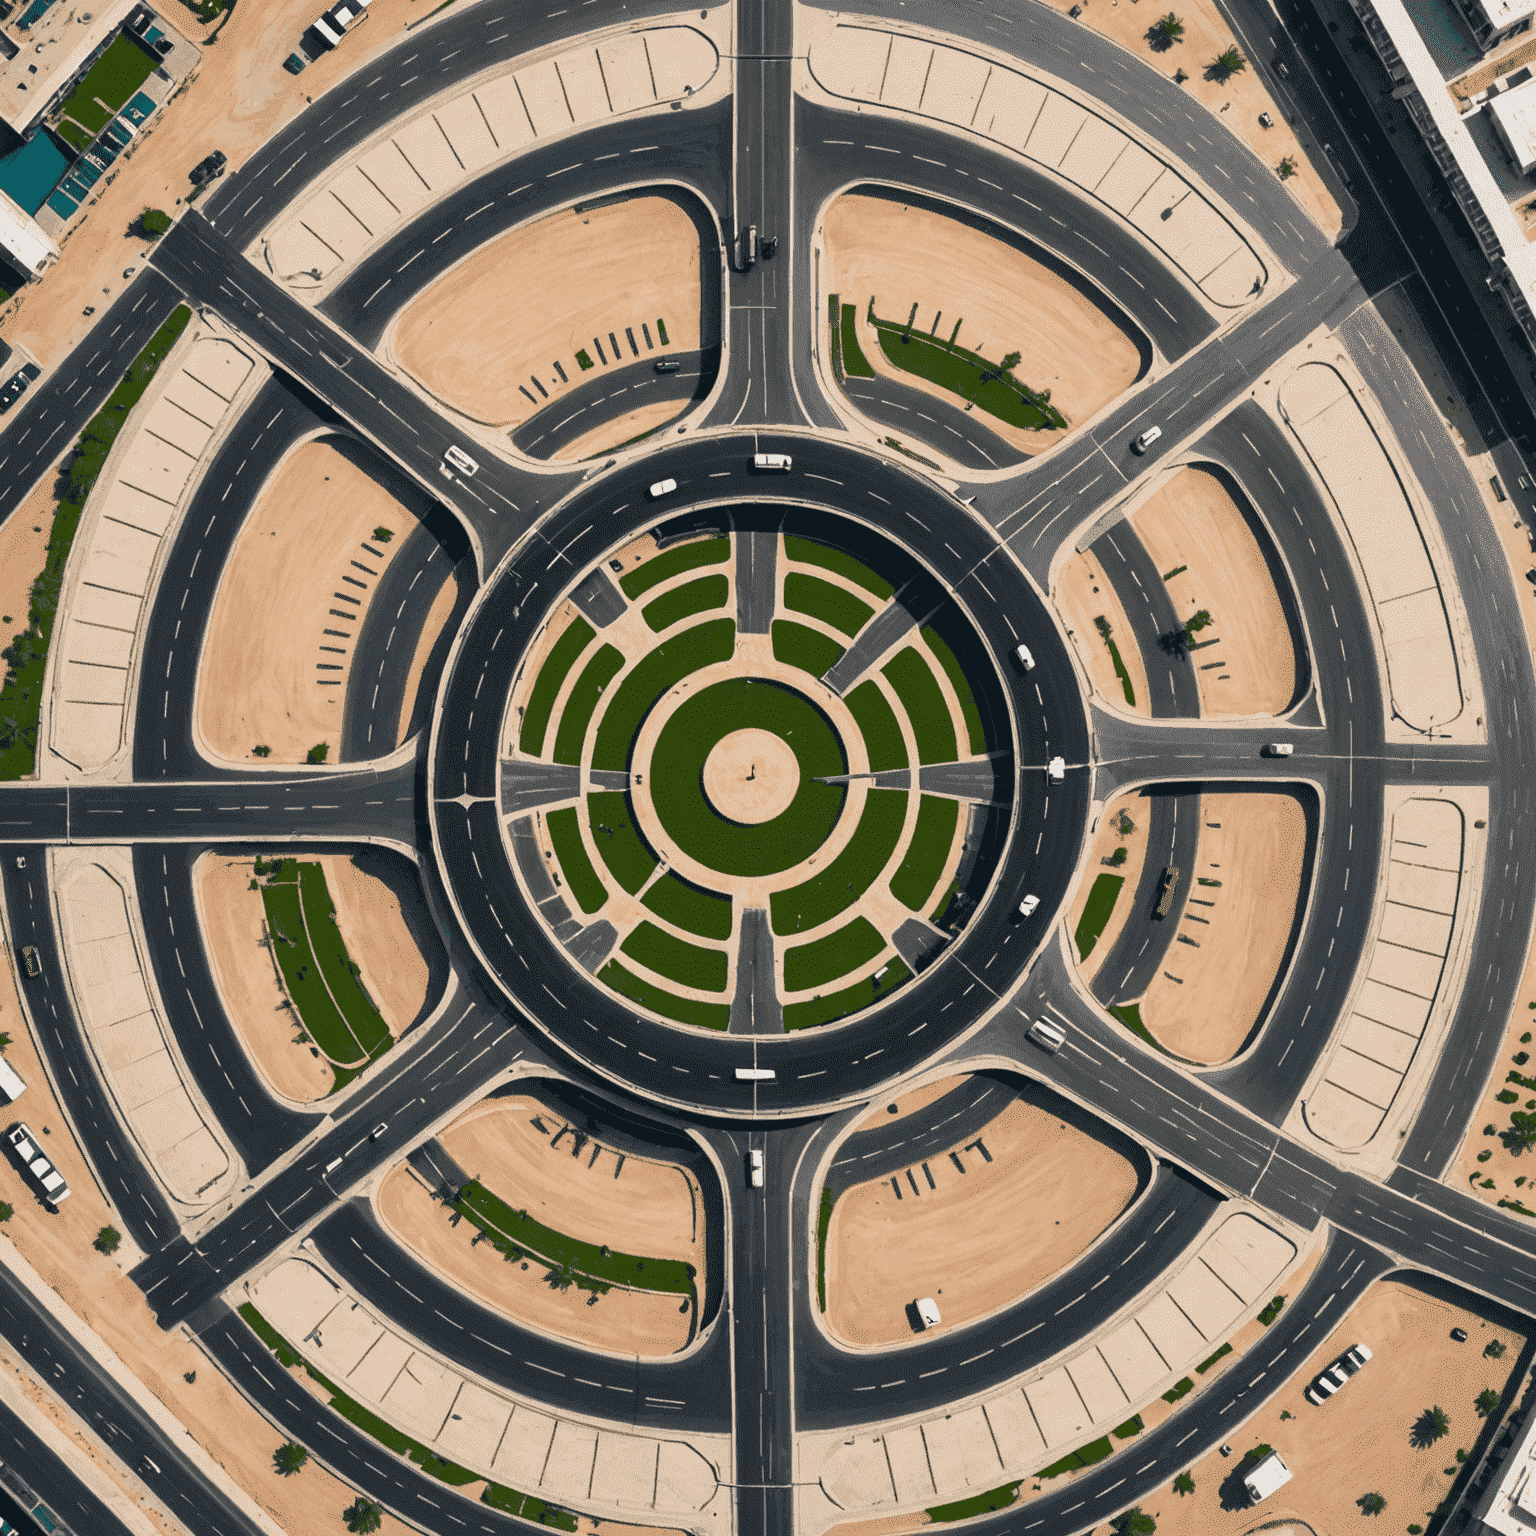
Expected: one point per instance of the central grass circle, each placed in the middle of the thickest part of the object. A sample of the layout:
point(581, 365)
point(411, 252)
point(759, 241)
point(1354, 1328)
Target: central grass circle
point(751, 776)
point(676, 778)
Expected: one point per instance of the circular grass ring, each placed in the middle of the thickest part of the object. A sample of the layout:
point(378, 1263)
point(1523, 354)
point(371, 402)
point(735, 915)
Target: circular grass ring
point(677, 777)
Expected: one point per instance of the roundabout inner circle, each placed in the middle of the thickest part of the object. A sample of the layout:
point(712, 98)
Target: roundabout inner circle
point(751, 776)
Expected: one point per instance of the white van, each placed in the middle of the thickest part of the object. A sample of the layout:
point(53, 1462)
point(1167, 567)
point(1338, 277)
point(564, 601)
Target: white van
point(755, 1162)
point(1026, 660)
point(772, 461)
point(1049, 1037)
point(1147, 438)
point(1279, 749)
point(12, 1086)
point(1056, 769)
point(928, 1312)
point(460, 461)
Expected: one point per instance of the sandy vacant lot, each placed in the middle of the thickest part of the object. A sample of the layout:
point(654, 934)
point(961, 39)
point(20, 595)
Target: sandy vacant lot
point(910, 1103)
point(238, 98)
point(619, 430)
point(537, 295)
point(1004, 300)
point(1193, 522)
point(1251, 848)
point(1106, 838)
point(1234, 104)
point(378, 939)
point(1082, 595)
point(23, 548)
point(272, 620)
point(1046, 1179)
point(1358, 1443)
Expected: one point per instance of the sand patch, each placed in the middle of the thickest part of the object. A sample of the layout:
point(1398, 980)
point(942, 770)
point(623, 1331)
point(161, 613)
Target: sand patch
point(1046, 1178)
point(1107, 838)
point(910, 1103)
point(1083, 596)
point(617, 431)
point(1193, 526)
point(23, 551)
point(1006, 301)
point(303, 570)
point(1238, 915)
point(479, 337)
point(751, 776)
point(1358, 1442)
point(378, 935)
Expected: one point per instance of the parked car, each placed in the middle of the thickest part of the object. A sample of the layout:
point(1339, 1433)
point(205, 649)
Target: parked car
point(17, 385)
point(1351, 1362)
point(210, 168)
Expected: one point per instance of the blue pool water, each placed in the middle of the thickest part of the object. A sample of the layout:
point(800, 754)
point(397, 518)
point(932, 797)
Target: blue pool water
point(29, 174)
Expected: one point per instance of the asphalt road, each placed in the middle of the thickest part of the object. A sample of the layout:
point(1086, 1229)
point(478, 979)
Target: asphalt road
point(53, 1481)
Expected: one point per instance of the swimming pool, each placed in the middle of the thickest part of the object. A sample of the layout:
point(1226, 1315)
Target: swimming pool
point(29, 174)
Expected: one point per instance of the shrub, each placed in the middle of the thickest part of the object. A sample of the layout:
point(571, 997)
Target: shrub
point(107, 1240)
point(1286, 169)
point(6, 1211)
point(383, 535)
point(1134, 1522)
point(318, 753)
point(1487, 1403)
point(1415, 1530)
point(1371, 1503)
point(1520, 1134)
point(1483, 1157)
point(1183, 1484)
point(1272, 1311)
point(153, 223)
point(261, 751)
point(1507, 1096)
point(1494, 1349)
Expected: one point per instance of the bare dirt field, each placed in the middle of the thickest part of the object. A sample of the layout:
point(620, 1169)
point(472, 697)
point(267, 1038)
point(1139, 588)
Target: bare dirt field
point(1083, 596)
point(239, 96)
point(272, 622)
point(1192, 522)
point(1251, 848)
point(1106, 839)
point(378, 933)
point(1045, 1178)
point(620, 430)
point(1005, 300)
point(575, 277)
point(910, 1103)
point(1234, 104)
point(1358, 1443)
point(23, 549)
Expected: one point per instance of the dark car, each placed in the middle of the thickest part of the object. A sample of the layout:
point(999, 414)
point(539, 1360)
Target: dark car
point(209, 168)
point(295, 63)
point(17, 385)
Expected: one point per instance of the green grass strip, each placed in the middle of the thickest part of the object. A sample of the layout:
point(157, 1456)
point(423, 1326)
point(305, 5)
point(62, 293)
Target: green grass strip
point(690, 907)
point(855, 364)
point(831, 1006)
point(652, 676)
point(822, 600)
point(798, 645)
point(546, 686)
point(1205, 1365)
point(619, 840)
point(582, 701)
point(1103, 626)
point(925, 704)
point(1083, 1456)
point(1272, 1311)
point(961, 684)
point(342, 975)
point(685, 601)
point(1180, 1388)
point(318, 1012)
point(286, 1354)
point(117, 74)
point(581, 878)
point(1132, 1427)
point(883, 741)
point(21, 697)
point(689, 965)
point(835, 888)
point(977, 1504)
point(510, 1502)
point(927, 853)
point(834, 331)
point(812, 552)
point(673, 562)
point(824, 960)
point(1100, 903)
point(823, 1226)
point(685, 1010)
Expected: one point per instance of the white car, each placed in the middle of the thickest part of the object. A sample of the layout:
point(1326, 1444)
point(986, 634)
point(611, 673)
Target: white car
point(1049, 1037)
point(755, 1162)
point(781, 461)
point(1056, 769)
point(1029, 906)
point(1025, 659)
point(1147, 438)
point(1351, 1362)
point(1279, 749)
point(928, 1312)
point(460, 461)
point(662, 488)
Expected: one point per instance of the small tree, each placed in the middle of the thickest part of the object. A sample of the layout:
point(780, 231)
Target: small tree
point(289, 1458)
point(319, 752)
point(383, 535)
point(363, 1514)
point(107, 1240)
point(1494, 1349)
point(6, 1211)
point(261, 751)
point(1520, 1134)
point(1134, 1522)
point(1227, 63)
point(1487, 1403)
point(1286, 168)
point(1371, 1503)
point(1165, 32)
point(153, 223)
point(1431, 1425)
point(5, 1041)
point(1198, 621)
point(1183, 1484)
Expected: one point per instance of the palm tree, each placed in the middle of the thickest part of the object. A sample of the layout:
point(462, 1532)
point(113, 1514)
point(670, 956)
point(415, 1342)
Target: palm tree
point(1227, 63)
point(289, 1458)
point(1487, 1402)
point(363, 1514)
point(1286, 169)
point(1520, 1135)
point(1431, 1425)
point(1165, 32)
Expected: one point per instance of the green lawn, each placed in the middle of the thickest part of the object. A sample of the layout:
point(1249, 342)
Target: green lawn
point(689, 907)
point(878, 725)
point(318, 1012)
point(812, 552)
point(838, 1005)
point(114, 77)
point(651, 677)
point(571, 737)
point(798, 645)
point(668, 1004)
point(925, 704)
point(824, 960)
point(831, 604)
point(685, 601)
point(546, 686)
point(832, 890)
point(1101, 902)
point(580, 877)
point(341, 974)
point(21, 696)
point(968, 375)
point(1083, 1456)
point(673, 562)
point(619, 840)
point(932, 839)
point(689, 965)
point(855, 364)
point(977, 1504)
point(961, 684)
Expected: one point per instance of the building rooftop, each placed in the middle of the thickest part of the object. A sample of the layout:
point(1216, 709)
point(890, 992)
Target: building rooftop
point(1503, 14)
point(22, 240)
point(1514, 114)
point(54, 38)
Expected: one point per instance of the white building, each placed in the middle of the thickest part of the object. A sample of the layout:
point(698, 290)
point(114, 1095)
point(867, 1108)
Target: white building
point(51, 52)
point(1514, 115)
point(24, 241)
point(1494, 20)
point(1508, 1506)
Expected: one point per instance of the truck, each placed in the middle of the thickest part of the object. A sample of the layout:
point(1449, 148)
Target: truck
point(1167, 890)
point(332, 25)
point(12, 1084)
point(48, 1178)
